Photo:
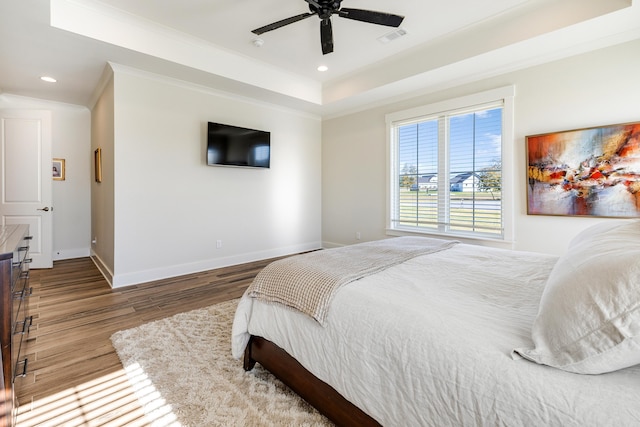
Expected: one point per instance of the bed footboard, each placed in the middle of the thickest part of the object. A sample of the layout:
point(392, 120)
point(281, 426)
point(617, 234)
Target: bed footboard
point(317, 393)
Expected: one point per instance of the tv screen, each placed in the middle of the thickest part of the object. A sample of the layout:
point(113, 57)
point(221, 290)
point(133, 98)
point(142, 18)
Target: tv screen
point(236, 146)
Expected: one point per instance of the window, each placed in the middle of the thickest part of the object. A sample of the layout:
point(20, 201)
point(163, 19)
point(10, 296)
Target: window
point(447, 171)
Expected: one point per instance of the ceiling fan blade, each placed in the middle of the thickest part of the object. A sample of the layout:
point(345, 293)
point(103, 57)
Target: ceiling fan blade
point(371, 16)
point(326, 36)
point(282, 23)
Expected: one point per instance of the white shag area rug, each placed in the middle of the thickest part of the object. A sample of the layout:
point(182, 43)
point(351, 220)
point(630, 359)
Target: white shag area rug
point(183, 374)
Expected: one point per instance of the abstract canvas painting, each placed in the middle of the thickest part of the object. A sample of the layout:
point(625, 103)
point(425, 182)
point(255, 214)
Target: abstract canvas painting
point(585, 172)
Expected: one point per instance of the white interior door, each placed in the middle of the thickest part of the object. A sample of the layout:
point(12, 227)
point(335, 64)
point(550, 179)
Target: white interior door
point(25, 174)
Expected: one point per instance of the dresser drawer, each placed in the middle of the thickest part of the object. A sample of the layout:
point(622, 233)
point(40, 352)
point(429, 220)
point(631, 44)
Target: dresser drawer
point(20, 265)
point(14, 319)
point(18, 340)
point(19, 295)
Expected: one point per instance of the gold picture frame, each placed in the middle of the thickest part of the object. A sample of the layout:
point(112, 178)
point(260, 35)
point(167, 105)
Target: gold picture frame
point(58, 171)
point(97, 164)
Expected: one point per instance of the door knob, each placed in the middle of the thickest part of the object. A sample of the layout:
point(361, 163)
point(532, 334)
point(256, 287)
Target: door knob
point(46, 209)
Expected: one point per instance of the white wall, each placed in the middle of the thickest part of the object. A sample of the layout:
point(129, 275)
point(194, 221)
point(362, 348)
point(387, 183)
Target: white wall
point(102, 193)
point(71, 141)
point(594, 89)
point(170, 208)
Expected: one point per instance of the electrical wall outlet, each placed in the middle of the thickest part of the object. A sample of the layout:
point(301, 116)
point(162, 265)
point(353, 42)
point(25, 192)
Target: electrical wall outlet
point(358, 236)
point(218, 244)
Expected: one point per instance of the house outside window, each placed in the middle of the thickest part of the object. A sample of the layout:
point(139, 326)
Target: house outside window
point(451, 168)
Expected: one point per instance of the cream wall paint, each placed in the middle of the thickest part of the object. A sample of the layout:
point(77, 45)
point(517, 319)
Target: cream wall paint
point(70, 141)
point(170, 208)
point(102, 193)
point(354, 178)
point(593, 89)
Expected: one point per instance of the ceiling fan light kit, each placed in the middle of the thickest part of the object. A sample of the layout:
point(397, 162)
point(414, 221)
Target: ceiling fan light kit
point(324, 9)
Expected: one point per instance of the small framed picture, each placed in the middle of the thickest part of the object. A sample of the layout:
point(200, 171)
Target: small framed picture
point(97, 164)
point(58, 169)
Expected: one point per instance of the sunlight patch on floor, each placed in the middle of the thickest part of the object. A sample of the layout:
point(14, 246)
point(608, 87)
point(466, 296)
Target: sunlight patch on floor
point(113, 400)
point(158, 411)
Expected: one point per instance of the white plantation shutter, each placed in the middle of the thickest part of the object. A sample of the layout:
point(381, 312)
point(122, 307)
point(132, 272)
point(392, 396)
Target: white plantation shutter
point(447, 171)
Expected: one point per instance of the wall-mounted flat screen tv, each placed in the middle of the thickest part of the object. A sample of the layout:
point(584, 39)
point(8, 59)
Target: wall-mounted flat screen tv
point(237, 146)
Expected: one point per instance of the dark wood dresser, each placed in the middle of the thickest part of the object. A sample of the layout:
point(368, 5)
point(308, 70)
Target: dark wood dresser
point(14, 317)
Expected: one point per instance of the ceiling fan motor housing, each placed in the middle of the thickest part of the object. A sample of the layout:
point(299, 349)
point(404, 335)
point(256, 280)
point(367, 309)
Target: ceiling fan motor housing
point(324, 8)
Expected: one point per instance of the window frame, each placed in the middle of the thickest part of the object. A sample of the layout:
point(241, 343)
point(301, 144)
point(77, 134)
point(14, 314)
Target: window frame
point(503, 96)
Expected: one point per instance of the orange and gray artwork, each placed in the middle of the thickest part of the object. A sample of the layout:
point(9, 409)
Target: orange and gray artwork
point(586, 172)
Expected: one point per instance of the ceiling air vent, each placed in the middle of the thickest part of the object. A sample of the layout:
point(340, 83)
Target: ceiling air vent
point(395, 34)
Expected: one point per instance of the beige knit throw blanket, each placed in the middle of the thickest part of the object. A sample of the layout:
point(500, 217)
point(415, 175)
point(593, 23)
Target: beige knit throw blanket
point(308, 282)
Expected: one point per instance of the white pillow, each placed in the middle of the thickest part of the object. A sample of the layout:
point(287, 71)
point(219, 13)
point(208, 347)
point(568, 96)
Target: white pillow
point(589, 316)
point(594, 231)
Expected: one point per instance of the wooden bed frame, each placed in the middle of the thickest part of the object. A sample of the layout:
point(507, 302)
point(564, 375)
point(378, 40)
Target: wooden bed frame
point(316, 392)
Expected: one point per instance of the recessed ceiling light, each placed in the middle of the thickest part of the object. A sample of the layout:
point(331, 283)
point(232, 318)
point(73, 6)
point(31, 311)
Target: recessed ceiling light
point(322, 68)
point(48, 79)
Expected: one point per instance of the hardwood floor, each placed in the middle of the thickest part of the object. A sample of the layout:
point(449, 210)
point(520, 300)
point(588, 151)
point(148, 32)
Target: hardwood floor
point(74, 375)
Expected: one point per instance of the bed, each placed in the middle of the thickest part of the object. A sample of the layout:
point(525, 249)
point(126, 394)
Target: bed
point(465, 335)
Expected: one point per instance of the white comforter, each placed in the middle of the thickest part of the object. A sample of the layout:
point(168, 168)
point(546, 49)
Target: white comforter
point(429, 342)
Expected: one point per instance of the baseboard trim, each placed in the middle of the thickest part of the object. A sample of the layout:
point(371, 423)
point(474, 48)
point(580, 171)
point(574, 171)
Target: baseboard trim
point(134, 278)
point(102, 267)
point(60, 254)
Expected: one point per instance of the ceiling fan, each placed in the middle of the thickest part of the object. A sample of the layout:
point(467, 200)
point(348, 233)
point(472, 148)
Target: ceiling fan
point(324, 9)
